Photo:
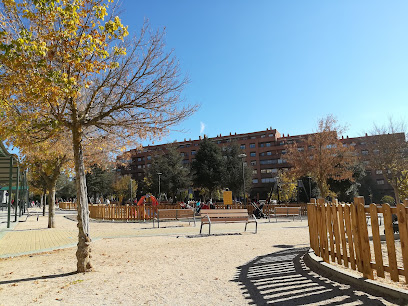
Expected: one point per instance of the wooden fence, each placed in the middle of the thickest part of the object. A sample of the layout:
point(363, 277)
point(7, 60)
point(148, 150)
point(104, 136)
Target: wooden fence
point(67, 205)
point(351, 235)
point(146, 212)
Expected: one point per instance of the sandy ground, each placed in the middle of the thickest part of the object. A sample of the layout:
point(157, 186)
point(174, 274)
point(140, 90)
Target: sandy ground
point(172, 266)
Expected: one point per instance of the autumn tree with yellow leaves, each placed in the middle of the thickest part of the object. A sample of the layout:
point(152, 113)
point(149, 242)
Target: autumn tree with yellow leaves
point(322, 156)
point(70, 66)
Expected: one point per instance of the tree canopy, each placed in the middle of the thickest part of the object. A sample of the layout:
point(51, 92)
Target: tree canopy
point(208, 166)
point(174, 176)
point(71, 66)
point(322, 156)
point(388, 152)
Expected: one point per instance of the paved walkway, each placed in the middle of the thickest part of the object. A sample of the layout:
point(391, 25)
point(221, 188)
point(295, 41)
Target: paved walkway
point(30, 236)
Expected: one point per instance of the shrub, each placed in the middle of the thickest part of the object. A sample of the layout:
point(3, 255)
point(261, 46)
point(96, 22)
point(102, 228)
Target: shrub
point(388, 199)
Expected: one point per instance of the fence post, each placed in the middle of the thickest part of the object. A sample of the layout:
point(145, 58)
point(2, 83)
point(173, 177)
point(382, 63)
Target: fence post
point(365, 242)
point(323, 232)
point(330, 230)
point(313, 235)
point(342, 235)
point(336, 232)
point(389, 236)
point(356, 234)
point(402, 225)
point(379, 264)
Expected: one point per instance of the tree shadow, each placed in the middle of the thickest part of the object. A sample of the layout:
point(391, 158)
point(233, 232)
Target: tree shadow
point(29, 279)
point(282, 278)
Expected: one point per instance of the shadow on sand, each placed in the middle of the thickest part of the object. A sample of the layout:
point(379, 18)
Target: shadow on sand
point(29, 279)
point(282, 278)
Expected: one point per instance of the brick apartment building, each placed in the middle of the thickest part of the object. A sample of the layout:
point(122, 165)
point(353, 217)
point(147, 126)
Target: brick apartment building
point(265, 152)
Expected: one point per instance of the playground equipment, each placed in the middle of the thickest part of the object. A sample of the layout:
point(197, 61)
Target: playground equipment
point(150, 200)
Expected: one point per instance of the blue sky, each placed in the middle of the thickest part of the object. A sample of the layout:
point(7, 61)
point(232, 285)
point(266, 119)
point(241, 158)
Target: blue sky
point(284, 64)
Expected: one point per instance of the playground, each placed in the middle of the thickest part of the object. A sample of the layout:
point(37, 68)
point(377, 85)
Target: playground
point(137, 264)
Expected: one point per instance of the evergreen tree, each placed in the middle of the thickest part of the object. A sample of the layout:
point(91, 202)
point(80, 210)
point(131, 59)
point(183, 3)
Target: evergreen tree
point(174, 176)
point(208, 166)
point(233, 174)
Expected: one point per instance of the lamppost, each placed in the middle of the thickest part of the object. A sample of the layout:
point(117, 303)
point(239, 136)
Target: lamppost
point(242, 156)
point(310, 189)
point(159, 173)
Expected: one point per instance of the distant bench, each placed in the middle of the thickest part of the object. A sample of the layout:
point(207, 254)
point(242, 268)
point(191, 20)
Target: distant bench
point(288, 211)
point(174, 214)
point(210, 216)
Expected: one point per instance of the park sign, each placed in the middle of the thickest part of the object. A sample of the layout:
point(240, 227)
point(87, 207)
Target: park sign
point(227, 196)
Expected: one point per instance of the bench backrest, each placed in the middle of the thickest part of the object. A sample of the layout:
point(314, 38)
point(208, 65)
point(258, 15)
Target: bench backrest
point(175, 213)
point(287, 210)
point(225, 214)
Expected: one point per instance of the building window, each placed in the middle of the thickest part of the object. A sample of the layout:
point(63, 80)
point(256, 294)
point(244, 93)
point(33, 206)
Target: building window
point(263, 136)
point(252, 145)
point(281, 161)
point(149, 157)
point(139, 166)
point(253, 162)
point(270, 135)
point(378, 171)
point(268, 161)
point(262, 145)
point(268, 144)
point(242, 147)
point(253, 154)
point(252, 137)
point(345, 145)
point(182, 154)
point(193, 152)
point(139, 159)
point(255, 171)
point(262, 154)
point(269, 170)
point(380, 182)
point(148, 165)
point(376, 151)
point(255, 181)
point(301, 149)
point(268, 180)
point(283, 152)
point(364, 152)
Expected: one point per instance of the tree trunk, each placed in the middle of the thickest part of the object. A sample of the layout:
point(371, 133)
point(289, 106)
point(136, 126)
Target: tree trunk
point(51, 207)
point(83, 253)
point(397, 198)
point(44, 196)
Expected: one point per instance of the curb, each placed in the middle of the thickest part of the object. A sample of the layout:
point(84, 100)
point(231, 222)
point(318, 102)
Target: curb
point(366, 284)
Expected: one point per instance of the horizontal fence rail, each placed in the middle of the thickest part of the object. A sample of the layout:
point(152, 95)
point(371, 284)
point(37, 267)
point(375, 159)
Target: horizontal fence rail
point(351, 235)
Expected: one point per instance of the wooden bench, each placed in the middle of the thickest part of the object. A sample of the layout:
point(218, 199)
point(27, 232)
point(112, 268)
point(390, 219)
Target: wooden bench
point(174, 214)
point(210, 216)
point(288, 211)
